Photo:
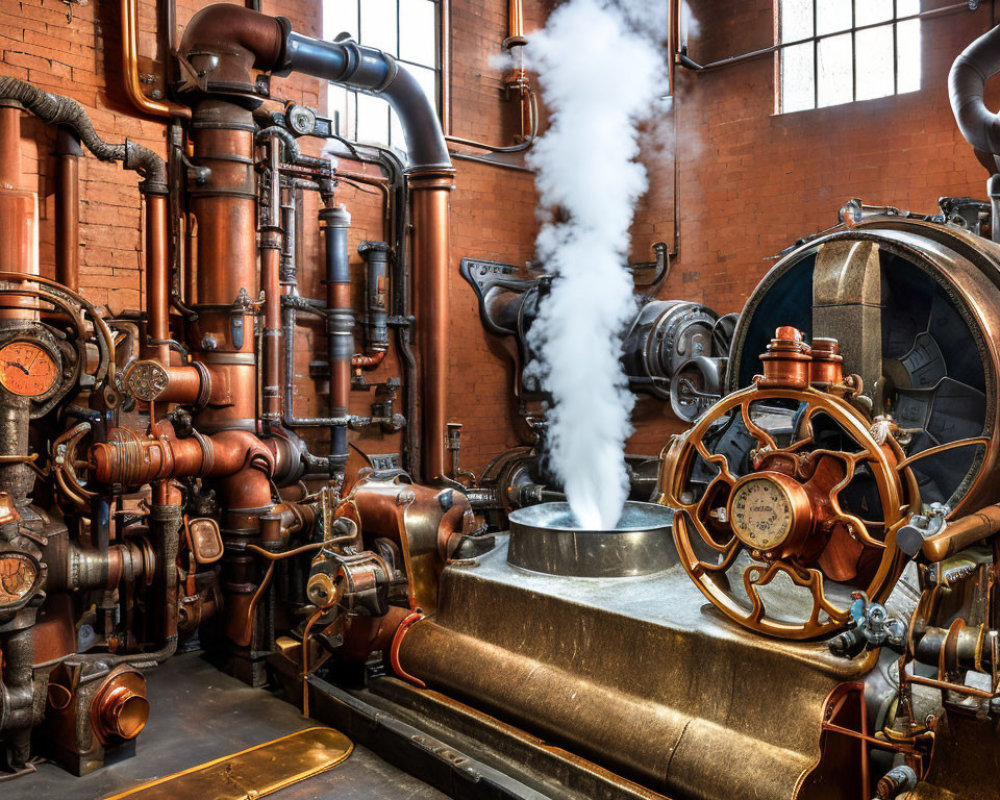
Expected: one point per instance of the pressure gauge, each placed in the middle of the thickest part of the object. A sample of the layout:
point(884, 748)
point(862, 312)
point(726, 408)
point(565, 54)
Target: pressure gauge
point(18, 575)
point(765, 510)
point(27, 369)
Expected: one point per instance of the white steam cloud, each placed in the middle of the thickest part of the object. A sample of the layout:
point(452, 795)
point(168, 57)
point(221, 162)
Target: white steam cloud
point(601, 68)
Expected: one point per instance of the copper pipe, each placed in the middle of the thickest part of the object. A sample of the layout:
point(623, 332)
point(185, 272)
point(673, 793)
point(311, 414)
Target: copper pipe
point(962, 533)
point(156, 344)
point(515, 20)
point(431, 250)
point(130, 67)
point(270, 256)
point(18, 216)
point(68, 210)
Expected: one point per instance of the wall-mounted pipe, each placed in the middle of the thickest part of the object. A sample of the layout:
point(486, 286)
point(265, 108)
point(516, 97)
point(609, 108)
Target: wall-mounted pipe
point(336, 222)
point(130, 67)
point(966, 82)
point(223, 43)
point(18, 215)
point(68, 209)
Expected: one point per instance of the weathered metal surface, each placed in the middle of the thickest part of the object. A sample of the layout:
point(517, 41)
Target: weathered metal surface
point(546, 538)
point(636, 674)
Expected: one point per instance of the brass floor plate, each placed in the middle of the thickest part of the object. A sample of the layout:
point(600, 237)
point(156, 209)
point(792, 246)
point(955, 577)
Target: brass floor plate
point(251, 773)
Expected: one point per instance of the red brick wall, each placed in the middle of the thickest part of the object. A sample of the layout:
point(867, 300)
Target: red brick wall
point(752, 182)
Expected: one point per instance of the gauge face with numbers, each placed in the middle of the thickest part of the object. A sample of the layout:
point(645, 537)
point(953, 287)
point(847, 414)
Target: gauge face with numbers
point(761, 513)
point(27, 369)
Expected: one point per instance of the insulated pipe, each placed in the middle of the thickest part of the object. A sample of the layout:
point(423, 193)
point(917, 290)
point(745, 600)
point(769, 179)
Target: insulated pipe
point(68, 210)
point(336, 223)
point(972, 69)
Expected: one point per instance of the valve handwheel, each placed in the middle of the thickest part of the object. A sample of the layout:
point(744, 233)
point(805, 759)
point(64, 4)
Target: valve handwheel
point(817, 504)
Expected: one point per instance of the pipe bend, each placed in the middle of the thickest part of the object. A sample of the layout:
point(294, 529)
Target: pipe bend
point(971, 70)
point(225, 27)
point(367, 69)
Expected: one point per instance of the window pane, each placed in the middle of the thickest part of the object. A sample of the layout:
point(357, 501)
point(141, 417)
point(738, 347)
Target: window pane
point(373, 120)
point(417, 41)
point(873, 63)
point(867, 12)
point(833, 15)
point(796, 20)
point(908, 54)
point(905, 8)
point(378, 25)
point(396, 138)
point(797, 91)
point(340, 16)
point(337, 100)
point(836, 72)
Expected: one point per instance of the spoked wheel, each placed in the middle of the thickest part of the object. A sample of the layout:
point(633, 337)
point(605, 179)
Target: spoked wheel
point(787, 502)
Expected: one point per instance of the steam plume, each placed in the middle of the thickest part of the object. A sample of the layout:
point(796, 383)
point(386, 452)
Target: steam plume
point(600, 70)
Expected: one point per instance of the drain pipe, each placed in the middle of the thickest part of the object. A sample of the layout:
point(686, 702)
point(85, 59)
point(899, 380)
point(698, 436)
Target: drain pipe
point(223, 43)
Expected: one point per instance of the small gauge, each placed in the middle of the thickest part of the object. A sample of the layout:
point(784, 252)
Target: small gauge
point(17, 577)
point(27, 369)
point(761, 513)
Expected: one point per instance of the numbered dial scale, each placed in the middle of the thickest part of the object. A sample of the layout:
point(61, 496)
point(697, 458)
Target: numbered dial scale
point(28, 369)
point(768, 511)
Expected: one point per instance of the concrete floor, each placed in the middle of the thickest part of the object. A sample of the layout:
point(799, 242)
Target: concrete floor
point(199, 714)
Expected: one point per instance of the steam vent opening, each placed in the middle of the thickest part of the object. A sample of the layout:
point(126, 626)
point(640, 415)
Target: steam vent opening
point(570, 399)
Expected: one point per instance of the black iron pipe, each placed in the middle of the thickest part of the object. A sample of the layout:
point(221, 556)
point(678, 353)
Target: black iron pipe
point(356, 67)
point(336, 223)
point(972, 69)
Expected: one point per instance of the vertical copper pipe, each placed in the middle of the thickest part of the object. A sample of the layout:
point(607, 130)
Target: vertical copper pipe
point(18, 215)
point(269, 258)
point(68, 210)
point(340, 325)
point(431, 255)
point(225, 210)
point(515, 19)
point(157, 280)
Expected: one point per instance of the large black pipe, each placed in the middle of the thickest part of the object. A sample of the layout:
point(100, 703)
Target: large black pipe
point(356, 67)
point(336, 223)
point(972, 69)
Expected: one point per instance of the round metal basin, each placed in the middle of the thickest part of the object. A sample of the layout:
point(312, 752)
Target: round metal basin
point(545, 538)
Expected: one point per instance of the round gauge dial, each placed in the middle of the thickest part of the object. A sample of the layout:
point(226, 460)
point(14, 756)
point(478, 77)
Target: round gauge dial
point(27, 369)
point(17, 576)
point(761, 513)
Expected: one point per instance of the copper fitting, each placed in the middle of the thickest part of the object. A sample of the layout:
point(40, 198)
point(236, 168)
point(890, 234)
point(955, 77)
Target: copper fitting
point(827, 363)
point(787, 362)
point(120, 708)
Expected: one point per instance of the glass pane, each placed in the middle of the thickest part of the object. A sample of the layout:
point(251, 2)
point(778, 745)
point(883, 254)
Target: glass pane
point(905, 8)
point(417, 27)
point(373, 120)
point(796, 20)
point(797, 91)
point(337, 101)
point(873, 63)
point(908, 55)
point(340, 16)
point(378, 25)
point(836, 70)
point(833, 15)
point(396, 138)
point(867, 12)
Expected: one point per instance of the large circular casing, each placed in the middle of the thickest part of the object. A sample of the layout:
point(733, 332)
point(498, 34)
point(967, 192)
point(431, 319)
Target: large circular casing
point(546, 538)
point(938, 308)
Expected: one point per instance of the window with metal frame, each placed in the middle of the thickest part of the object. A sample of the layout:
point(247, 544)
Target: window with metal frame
point(840, 51)
point(406, 29)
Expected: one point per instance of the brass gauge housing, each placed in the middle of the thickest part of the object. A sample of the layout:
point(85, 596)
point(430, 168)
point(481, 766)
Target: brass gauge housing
point(19, 574)
point(769, 511)
point(28, 369)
